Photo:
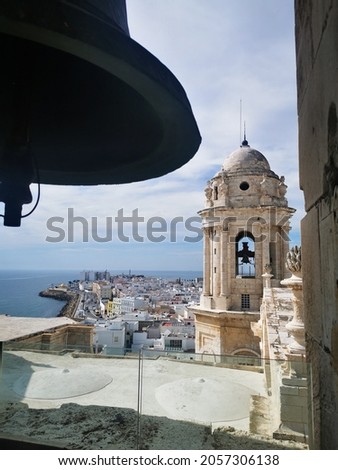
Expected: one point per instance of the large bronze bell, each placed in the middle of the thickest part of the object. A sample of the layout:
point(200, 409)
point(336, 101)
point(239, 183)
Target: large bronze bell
point(82, 103)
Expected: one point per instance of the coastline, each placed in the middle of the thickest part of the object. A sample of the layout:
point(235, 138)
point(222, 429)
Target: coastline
point(71, 299)
point(19, 288)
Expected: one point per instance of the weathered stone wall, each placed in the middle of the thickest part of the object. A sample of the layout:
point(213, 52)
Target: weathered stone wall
point(81, 335)
point(76, 336)
point(225, 333)
point(54, 340)
point(317, 65)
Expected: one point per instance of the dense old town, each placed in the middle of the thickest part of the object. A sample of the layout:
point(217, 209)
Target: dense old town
point(133, 311)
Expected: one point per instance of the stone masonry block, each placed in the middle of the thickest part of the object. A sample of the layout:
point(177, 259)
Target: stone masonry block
point(287, 390)
point(294, 400)
point(294, 381)
point(303, 392)
point(293, 414)
point(311, 277)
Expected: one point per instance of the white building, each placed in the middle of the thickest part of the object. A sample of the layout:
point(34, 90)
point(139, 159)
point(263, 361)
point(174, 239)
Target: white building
point(102, 289)
point(110, 338)
point(125, 305)
point(171, 337)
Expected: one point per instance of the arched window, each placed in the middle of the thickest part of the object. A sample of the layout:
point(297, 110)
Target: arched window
point(245, 255)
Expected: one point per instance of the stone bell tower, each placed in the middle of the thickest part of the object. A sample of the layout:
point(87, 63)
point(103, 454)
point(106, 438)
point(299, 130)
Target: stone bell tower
point(246, 224)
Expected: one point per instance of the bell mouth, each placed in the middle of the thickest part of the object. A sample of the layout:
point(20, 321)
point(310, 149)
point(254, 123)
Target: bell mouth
point(102, 109)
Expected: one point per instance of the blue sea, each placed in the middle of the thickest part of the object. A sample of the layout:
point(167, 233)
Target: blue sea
point(19, 289)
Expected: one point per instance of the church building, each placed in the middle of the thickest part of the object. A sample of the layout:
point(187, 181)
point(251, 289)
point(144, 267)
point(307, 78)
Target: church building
point(246, 224)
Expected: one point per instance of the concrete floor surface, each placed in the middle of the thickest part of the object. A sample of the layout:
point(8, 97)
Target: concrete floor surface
point(92, 403)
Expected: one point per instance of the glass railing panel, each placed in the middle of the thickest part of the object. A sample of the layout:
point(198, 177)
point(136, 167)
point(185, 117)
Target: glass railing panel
point(226, 398)
point(73, 396)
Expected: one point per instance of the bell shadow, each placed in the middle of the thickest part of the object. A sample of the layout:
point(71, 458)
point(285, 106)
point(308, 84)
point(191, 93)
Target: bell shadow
point(14, 368)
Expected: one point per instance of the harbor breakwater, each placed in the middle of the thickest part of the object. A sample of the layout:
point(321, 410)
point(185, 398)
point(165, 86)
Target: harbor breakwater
point(71, 299)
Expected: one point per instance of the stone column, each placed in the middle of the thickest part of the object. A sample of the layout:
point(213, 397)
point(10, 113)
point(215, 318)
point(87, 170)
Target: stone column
point(285, 247)
point(223, 262)
point(265, 247)
point(217, 261)
point(267, 276)
point(206, 262)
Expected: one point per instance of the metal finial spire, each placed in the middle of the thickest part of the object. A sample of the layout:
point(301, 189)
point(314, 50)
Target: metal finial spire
point(245, 143)
point(240, 120)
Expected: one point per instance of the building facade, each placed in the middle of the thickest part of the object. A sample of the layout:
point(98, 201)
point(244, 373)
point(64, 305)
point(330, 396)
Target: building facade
point(102, 289)
point(125, 305)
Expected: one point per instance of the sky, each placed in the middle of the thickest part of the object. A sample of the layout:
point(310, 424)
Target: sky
point(223, 52)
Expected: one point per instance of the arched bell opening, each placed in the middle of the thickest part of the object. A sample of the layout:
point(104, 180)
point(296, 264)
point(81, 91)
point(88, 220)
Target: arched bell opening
point(245, 255)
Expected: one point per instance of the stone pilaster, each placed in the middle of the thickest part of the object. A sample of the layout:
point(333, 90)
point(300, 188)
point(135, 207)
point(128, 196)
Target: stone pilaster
point(223, 258)
point(206, 262)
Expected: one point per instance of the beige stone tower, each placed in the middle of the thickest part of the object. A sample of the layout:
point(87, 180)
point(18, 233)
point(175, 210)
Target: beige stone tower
point(246, 225)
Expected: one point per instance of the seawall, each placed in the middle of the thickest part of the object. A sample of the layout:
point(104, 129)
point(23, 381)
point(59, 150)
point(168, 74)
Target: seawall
point(71, 299)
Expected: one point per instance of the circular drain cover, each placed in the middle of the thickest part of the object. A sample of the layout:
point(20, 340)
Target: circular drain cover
point(203, 400)
point(54, 383)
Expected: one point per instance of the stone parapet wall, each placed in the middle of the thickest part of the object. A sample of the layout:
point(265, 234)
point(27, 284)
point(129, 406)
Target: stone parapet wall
point(317, 64)
point(58, 339)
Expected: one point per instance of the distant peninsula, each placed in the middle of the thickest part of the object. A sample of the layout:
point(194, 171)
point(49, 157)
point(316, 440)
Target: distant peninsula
point(58, 293)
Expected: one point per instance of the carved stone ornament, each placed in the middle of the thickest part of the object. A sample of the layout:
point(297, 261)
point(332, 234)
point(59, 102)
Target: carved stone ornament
point(208, 194)
point(294, 261)
point(268, 269)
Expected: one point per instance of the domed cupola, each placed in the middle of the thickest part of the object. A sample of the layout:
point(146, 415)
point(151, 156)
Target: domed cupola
point(247, 160)
point(246, 180)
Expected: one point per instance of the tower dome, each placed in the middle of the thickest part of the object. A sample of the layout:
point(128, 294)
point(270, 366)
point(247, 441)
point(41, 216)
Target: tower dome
point(247, 160)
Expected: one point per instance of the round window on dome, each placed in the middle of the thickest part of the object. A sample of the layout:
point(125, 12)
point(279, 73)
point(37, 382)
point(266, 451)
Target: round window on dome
point(244, 185)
